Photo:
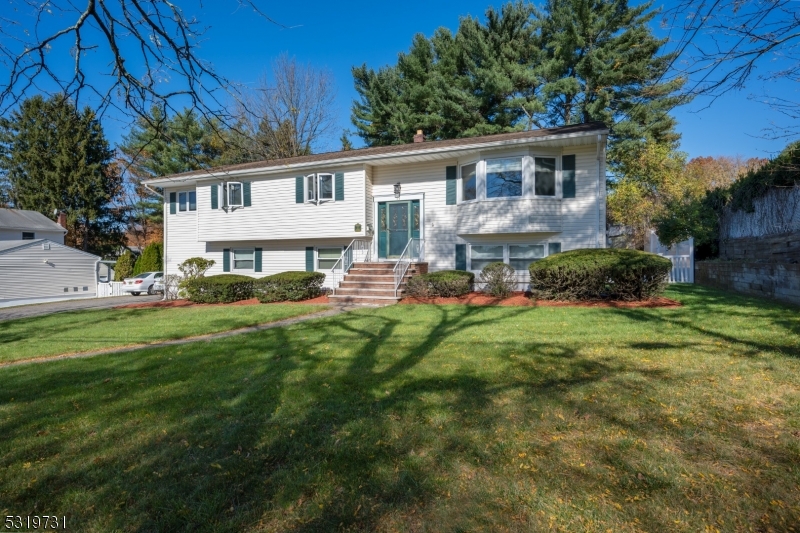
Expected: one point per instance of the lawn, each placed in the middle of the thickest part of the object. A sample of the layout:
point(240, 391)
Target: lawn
point(426, 418)
point(82, 331)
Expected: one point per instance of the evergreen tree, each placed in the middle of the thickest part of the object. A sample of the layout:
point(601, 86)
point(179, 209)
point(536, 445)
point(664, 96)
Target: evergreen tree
point(54, 157)
point(124, 267)
point(151, 259)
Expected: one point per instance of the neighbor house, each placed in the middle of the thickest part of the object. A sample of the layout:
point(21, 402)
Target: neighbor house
point(452, 204)
point(36, 266)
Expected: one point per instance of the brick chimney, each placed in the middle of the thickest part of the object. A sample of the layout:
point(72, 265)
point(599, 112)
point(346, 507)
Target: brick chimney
point(62, 219)
point(419, 137)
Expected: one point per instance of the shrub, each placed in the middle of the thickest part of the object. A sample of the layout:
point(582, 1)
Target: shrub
point(195, 267)
point(498, 279)
point(150, 260)
point(289, 286)
point(124, 266)
point(444, 283)
point(224, 288)
point(595, 274)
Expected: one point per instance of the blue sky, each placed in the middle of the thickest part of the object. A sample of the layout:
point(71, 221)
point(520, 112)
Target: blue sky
point(338, 35)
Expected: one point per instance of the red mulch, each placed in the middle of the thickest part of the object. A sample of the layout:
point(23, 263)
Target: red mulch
point(186, 303)
point(521, 299)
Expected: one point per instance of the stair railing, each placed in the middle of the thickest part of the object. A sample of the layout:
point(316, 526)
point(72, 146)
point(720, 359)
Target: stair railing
point(357, 250)
point(414, 251)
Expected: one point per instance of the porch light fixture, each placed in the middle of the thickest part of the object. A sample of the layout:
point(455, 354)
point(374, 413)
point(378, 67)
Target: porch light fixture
point(397, 190)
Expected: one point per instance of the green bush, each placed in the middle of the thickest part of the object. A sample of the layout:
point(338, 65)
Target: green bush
point(289, 287)
point(597, 274)
point(498, 279)
point(151, 259)
point(224, 288)
point(124, 266)
point(444, 283)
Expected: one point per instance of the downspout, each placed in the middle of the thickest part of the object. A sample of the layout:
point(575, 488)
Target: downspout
point(163, 244)
point(600, 166)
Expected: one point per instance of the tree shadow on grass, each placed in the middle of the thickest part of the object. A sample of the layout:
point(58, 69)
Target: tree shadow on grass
point(361, 422)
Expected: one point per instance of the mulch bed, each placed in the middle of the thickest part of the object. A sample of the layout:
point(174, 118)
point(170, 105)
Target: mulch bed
point(186, 303)
point(521, 299)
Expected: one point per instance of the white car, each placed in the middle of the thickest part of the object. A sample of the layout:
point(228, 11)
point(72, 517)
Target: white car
point(143, 283)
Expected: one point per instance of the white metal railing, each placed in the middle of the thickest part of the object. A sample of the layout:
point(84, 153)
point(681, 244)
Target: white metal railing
point(357, 250)
point(682, 269)
point(113, 288)
point(413, 251)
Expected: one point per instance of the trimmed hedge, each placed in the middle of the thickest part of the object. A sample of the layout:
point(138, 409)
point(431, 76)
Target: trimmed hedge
point(223, 288)
point(599, 274)
point(289, 286)
point(444, 283)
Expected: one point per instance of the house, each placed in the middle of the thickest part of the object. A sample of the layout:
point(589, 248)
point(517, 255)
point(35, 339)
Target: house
point(452, 204)
point(36, 266)
point(24, 225)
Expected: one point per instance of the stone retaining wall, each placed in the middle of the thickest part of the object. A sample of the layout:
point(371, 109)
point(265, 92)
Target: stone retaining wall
point(768, 249)
point(779, 281)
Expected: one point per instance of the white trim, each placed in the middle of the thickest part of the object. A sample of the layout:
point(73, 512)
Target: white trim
point(376, 228)
point(316, 256)
point(507, 251)
point(227, 189)
point(233, 260)
point(340, 162)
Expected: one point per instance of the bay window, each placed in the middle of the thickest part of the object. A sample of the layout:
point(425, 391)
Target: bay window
point(545, 176)
point(469, 182)
point(504, 177)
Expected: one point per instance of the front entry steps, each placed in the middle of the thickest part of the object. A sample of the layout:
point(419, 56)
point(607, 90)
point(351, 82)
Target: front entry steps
point(373, 283)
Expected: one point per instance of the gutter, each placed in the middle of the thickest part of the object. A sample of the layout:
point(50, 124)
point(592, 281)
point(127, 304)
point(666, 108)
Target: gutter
point(146, 186)
point(267, 170)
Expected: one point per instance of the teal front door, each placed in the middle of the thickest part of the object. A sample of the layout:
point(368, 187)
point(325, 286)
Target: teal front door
point(398, 222)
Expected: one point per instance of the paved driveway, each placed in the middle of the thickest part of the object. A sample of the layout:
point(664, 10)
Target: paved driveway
point(25, 311)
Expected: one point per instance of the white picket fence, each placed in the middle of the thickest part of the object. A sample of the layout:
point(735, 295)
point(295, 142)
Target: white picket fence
point(682, 269)
point(113, 288)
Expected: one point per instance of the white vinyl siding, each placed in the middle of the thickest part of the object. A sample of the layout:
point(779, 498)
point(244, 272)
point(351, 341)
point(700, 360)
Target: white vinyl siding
point(275, 214)
point(16, 235)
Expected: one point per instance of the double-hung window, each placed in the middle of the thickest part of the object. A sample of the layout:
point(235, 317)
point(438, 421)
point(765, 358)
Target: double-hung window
point(504, 177)
point(469, 182)
point(234, 194)
point(545, 176)
point(187, 201)
point(327, 257)
point(244, 259)
point(319, 188)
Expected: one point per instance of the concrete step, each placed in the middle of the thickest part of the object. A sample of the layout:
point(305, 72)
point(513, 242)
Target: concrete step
point(359, 291)
point(374, 300)
point(379, 271)
point(367, 278)
point(355, 284)
point(384, 265)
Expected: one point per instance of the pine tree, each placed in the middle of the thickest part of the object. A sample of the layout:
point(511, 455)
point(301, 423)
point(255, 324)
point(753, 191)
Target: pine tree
point(56, 158)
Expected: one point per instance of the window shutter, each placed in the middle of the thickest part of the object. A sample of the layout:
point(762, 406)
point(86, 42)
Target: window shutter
point(451, 175)
point(339, 186)
point(215, 196)
point(246, 194)
point(461, 256)
point(226, 260)
point(568, 176)
point(258, 260)
point(309, 259)
point(172, 207)
point(298, 190)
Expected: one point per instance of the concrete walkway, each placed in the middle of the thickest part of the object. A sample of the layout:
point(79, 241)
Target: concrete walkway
point(26, 311)
point(335, 310)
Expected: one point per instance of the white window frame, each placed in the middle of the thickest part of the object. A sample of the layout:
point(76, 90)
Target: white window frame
point(312, 188)
point(233, 259)
point(486, 177)
point(556, 176)
point(228, 191)
point(316, 250)
point(461, 181)
point(507, 251)
point(185, 206)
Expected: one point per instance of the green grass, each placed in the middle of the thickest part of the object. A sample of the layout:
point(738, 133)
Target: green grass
point(425, 418)
point(82, 331)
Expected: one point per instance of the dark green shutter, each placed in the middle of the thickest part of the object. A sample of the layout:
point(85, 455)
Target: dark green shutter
point(172, 203)
point(461, 256)
point(226, 260)
point(215, 196)
point(246, 202)
point(554, 248)
point(339, 186)
point(309, 259)
point(568, 176)
point(258, 260)
point(452, 175)
point(298, 190)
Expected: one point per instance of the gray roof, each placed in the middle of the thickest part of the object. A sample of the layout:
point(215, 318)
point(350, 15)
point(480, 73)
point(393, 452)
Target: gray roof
point(8, 246)
point(27, 220)
point(396, 150)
